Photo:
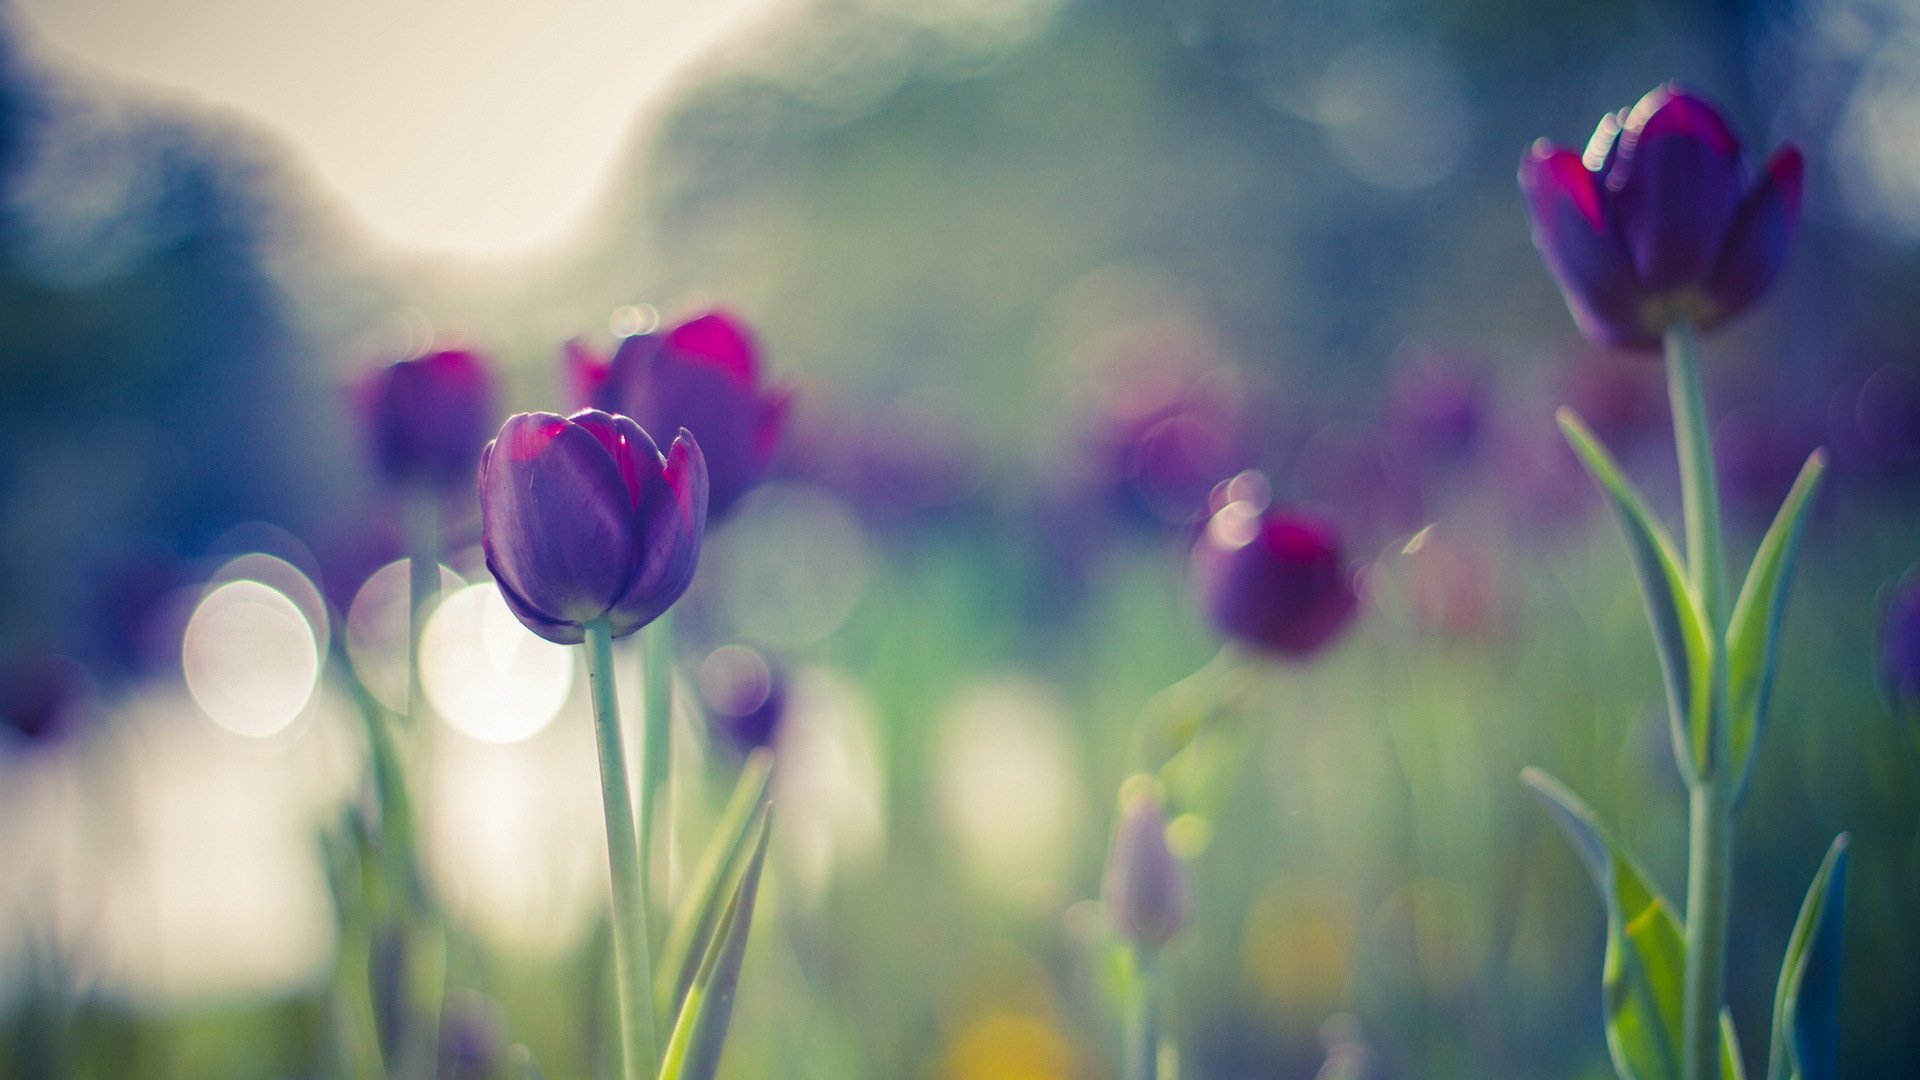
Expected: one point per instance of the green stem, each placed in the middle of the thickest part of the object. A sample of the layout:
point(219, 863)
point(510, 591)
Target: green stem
point(657, 745)
point(1143, 1025)
point(633, 962)
point(423, 578)
point(1709, 881)
point(1710, 848)
point(1699, 488)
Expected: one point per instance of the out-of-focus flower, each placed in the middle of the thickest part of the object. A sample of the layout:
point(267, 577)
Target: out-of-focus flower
point(582, 518)
point(1273, 578)
point(1162, 436)
point(427, 417)
point(704, 376)
point(44, 700)
point(472, 1037)
point(745, 696)
point(1899, 645)
point(1436, 409)
point(1145, 888)
point(1660, 220)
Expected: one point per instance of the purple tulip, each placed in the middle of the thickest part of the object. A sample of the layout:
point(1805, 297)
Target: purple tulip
point(1899, 645)
point(1273, 579)
point(745, 696)
point(44, 700)
point(703, 375)
point(1145, 886)
point(427, 417)
point(582, 518)
point(1660, 220)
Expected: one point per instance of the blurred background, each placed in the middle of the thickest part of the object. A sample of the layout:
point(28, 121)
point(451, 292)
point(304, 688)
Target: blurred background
point(1041, 273)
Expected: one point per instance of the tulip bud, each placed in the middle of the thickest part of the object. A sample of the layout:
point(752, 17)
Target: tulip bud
point(472, 1037)
point(704, 376)
point(1660, 220)
point(1145, 887)
point(582, 518)
point(427, 417)
point(1899, 644)
point(744, 695)
point(1273, 579)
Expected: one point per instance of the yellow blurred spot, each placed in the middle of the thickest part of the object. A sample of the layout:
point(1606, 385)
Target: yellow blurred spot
point(1189, 835)
point(1008, 1046)
point(1299, 951)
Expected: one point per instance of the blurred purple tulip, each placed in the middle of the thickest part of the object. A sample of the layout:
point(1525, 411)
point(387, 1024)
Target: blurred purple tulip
point(704, 376)
point(427, 417)
point(44, 700)
point(1899, 644)
point(582, 518)
point(1273, 579)
point(1660, 220)
point(745, 696)
point(1145, 887)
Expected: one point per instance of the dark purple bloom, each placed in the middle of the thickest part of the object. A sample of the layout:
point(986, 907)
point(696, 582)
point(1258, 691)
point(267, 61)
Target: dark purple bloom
point(1660, 219)
point(44, 700)
point(745, 696)
point(427, 417)
point(473, 1043)
point(1145, 886)
point(1273, 579)
point(582, 518)
point(703, 375)
point(1899, 645)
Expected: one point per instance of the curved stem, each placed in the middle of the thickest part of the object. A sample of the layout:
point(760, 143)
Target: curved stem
point(633, 961)
point(1699, 486)
point(656, 747)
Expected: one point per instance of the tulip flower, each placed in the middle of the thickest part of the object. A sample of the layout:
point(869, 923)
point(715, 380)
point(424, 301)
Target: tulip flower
point(1660, 220)
point(427, 417)
point(1274, 579)
point(703, 375)
point(745, 696)
point(1145, 887)
point(583, 519)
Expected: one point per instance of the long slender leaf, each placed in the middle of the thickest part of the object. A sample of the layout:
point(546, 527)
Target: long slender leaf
point(1681, 633)
point(699, 911)
point(1731, 1065)
point(1806, 1007)
point(1754, 631)
point(1642, 982)
point(700, 1034)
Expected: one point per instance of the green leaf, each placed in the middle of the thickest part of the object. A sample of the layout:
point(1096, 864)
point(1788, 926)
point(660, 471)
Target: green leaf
point(1641, 984)
point(700, 1034)
point(698, 913)
point(1806, 1007)
point(1731, 1066)
point(1681, 633)
point(1754, 631)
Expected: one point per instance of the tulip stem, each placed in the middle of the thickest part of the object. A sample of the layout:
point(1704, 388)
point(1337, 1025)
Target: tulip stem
point(423, 579)
point(633, 962)
point(1710, 840)
point(656, 812)
point(1143, 1022)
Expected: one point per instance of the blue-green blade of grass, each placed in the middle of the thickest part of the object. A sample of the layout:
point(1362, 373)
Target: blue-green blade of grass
point(1642, 982)
point(700, 1033)
point(1753, 634)
point(1680, 631)
point(695, 917)
point(1806, 1006)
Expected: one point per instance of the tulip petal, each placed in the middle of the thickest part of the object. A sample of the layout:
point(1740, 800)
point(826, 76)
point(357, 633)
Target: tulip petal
point(771, 428)
point(1574, 237)
point(1757, 243)
point(631, 448)
point(670, 522)
point(560, 633)
point(722, 340)
point(624, 385)
point(1674, 187)
point(557, 518)
point(587, 371)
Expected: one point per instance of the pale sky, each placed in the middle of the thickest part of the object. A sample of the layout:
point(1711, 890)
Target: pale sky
point(464, 127)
